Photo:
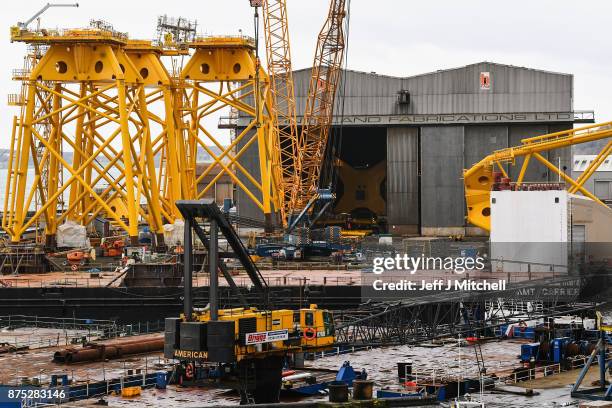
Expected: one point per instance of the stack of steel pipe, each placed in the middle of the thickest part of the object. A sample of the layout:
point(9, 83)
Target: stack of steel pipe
point(97, 352)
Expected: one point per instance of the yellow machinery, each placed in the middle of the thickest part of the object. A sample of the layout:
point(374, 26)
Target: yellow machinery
point(479, 179)
point(247, 343)
point(164, 129)
point(319, 109)
point(282, 93)
point(302, 154)
point(245, 346)
point(259, 334)
point(601, 325)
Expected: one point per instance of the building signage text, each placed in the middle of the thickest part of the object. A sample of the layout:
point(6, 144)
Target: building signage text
point(445, 119)
point(453, 118)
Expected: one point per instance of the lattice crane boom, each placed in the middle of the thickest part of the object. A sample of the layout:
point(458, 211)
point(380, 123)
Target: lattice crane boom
point(283, 111)
point(318, 113)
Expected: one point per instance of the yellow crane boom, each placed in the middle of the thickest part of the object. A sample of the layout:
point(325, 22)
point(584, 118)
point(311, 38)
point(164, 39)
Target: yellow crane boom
point(319, 110)
point(282, 94)
point(479, 179)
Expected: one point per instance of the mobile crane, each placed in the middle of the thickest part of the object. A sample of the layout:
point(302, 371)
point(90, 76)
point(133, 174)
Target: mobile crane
point(246, 346)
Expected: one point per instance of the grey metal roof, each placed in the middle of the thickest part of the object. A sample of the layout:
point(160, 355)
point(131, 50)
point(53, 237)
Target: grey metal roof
point(451, 91)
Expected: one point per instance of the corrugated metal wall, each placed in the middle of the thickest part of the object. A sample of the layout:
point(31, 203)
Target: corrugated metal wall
point(560, 157)
point(250, 161)
point(445, 150)
point(402, 178)
point(482, 140)
point(364, 93)
point(441, 184)
point(513, 89)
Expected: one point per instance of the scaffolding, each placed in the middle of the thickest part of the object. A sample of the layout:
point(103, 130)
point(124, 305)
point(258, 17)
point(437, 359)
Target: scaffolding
point(22, 259)
point(175, 31)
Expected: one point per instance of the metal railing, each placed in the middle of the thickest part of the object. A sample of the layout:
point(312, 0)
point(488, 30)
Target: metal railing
point(536, 270)
point(245, 281)
point(531, 374)
point(50, 331)
point(15, 99)
point(64, 323)
point(63, 282)
point(548, 370)
point(34, 341)
point(227, 122)
point(584, 116)
point(206, 37)
point(69, 331)
point(21, 74)
point(139, 373)
point(201, 279)
point(515, 306)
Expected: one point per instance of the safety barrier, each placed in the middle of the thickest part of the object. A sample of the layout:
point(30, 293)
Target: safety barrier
point(68, 331)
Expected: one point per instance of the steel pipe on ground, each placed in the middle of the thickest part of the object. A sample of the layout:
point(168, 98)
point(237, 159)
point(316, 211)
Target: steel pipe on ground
point(94, 351)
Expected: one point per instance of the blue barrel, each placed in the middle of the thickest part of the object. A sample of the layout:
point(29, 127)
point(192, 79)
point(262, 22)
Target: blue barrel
point(160, 380)
point(65, 381)
point(54, 380)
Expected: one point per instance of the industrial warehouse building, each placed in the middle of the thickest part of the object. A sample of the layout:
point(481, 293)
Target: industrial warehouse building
point(405, 141)
point(600, 183)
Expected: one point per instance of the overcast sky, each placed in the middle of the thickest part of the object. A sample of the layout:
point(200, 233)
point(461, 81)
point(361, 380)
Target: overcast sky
point(394, 37)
